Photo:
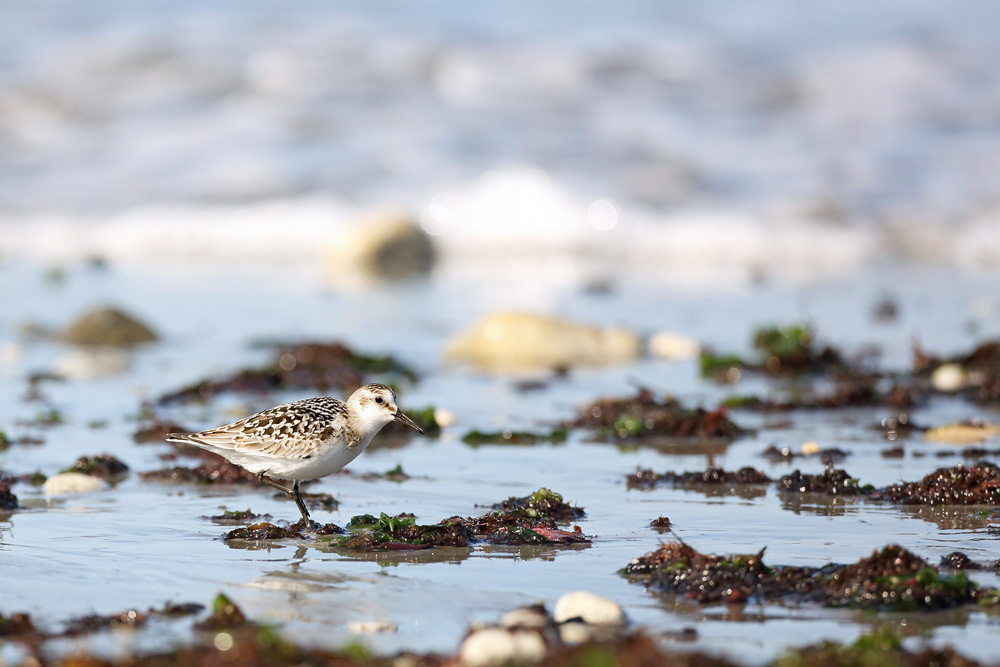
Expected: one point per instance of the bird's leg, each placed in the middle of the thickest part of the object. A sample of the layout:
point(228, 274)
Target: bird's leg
point(271, 483)
point(297, 497)
point(293, 493)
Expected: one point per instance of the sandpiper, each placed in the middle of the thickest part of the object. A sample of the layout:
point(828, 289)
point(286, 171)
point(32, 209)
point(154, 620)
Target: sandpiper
point(304, 440)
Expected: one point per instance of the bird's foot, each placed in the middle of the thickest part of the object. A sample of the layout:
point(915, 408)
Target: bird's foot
point(307, 524)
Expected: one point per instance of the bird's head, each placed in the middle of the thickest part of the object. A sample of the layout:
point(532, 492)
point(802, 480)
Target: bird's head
point(375, 406)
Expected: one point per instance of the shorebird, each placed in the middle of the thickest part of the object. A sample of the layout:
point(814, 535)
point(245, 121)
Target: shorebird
point(304, 440)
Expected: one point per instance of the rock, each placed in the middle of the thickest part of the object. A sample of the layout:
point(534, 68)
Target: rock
point(520, 341)
point(384, 245)
point(496, 647)
point(108, 326)
point(590, 608)
point(371, 627)
point(93, 362)
point(963, 432)
point(673, 346)
point(948, 378)
point(73, 482)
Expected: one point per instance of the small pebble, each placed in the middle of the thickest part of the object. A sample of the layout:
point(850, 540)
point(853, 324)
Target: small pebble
point(810, 448)
point(444, 418)
point(948, 378)
point(673, 346)
point(371, 627)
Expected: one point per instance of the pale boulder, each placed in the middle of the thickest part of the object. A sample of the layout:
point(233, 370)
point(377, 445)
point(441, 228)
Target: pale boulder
point(515, 341)
point(108, 326)
point(387, 244)
point(963, 433)
point(68, 483)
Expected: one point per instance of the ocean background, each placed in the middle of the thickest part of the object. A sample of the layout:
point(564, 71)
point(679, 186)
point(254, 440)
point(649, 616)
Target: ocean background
point(713, 134)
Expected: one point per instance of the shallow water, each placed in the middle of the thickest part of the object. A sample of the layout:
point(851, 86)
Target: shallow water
point(141, 544)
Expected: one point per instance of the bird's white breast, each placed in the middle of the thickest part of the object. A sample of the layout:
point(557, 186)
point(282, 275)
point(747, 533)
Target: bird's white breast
point(330, 457)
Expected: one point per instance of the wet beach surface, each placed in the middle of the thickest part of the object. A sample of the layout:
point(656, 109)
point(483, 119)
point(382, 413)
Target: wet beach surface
point(725, 173)
point(141, 544)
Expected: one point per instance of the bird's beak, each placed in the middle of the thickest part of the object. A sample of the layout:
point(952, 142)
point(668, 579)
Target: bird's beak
point(400, 417)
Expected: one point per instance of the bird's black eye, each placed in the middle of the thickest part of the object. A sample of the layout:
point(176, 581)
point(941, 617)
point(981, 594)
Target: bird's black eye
point(379, 400)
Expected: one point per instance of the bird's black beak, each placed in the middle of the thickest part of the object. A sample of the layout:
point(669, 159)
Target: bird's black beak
point(400, 417)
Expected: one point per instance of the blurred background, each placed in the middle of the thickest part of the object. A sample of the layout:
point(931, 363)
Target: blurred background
point(485, 192)
point(713, 134)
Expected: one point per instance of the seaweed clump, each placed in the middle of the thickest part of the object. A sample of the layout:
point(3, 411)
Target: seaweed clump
point(644, 416)
point(897, 579)
point(676, 567)
point(238, 516)
point(891, 578)
point(977, 484)
point(645, 478)
point(105, 466)
point(130, 618)
point(879, 647)
point(156, 431)
point(532, 519)
point(787, 348)
point(16, 625)
point(402, 533)
point(212, 470)
point(264, 531)
point(831, 482)
point(543, 503)
point(508, 437)
point(8, 501)
point(320, 366)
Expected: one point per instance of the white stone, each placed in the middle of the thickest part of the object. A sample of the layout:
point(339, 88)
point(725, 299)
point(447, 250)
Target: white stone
point(495, 647)
point(517, 341)
point(73, 482)
point(370, 627)
point(590, 608)
point(948, 377)
point(673, 346)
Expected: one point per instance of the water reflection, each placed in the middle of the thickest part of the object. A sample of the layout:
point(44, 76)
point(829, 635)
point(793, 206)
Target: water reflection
point(451, 555)
point(819, 505)
point(949, 517)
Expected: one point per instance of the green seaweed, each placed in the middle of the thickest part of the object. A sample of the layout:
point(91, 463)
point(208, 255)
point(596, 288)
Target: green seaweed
point(508, 437)
point(712, 364)
point(786, 342)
